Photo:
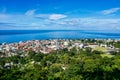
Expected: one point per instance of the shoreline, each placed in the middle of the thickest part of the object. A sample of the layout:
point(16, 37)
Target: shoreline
point(101, 39)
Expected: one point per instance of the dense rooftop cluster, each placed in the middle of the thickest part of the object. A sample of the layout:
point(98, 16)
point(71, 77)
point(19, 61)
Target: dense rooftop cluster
point(47, 46)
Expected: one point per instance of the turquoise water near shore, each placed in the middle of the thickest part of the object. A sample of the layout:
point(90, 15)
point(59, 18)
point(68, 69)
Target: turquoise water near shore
point(23, 35)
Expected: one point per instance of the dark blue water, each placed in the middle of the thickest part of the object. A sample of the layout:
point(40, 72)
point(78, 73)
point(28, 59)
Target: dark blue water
point(23, 35)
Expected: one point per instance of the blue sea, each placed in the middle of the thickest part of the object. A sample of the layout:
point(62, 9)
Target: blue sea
point(9, 36)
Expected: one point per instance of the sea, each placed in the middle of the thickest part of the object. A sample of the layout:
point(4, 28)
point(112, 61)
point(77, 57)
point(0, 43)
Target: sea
point(10, 36)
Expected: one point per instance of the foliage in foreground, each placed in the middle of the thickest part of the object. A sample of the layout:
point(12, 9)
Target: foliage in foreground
point(62, 65)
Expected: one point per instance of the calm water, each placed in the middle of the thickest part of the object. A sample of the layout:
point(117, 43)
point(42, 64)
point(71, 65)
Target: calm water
point(23, 35)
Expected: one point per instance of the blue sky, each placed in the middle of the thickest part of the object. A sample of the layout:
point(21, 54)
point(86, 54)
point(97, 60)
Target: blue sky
point(60, 14)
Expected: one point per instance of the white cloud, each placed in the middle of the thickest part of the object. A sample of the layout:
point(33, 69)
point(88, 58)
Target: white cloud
point(4, 17)
point(89, 23)
point(57, 16)
point(30, 12)
point(41, 16)
point(47, 22)
point(110, 11)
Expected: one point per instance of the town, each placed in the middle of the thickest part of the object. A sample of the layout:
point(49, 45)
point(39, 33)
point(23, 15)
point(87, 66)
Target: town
point(56, 58)
point(47, 46)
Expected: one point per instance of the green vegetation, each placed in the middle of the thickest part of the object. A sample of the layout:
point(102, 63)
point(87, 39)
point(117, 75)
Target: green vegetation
point(100, 49)
point(76, 64)
point(117, 44)
point(107, 55)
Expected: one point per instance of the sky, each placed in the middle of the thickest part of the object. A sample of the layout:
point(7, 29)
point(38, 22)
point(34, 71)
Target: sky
point(59, 14)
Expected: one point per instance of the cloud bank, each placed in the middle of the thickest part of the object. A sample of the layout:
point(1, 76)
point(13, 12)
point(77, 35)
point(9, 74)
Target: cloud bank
point(57, 16)
point(110, 11)
point(30, 12)
point(54, 21)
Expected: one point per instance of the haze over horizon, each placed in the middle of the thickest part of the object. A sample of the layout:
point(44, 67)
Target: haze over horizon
point(59, 15)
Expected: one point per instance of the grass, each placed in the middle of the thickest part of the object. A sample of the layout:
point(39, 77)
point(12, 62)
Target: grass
point(103, 50)
point(107, 55)
point(100, 49)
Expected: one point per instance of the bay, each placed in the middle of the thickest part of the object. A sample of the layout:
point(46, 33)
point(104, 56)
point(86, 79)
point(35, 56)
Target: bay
point(24, 35)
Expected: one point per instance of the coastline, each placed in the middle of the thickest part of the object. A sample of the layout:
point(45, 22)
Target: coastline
point(16, 36)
